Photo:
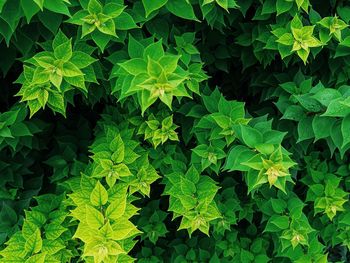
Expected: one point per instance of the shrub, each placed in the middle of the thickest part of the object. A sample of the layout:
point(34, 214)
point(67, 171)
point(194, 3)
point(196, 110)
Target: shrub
point(174, 131)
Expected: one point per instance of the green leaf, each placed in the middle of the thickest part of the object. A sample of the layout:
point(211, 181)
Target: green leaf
point(64, 51)
point(71, 70)
point(38, 258)
point(181, 8)
point(286, 39)
point(29, 7)
point(322, 126)
point(34, 243)
point(81, 59)
point(277, 223)
point(283, 6)
point(57, 6)
point(155, 51)
point(294, 113)
point(56, 102)
point(125, 22)
point(153, 5)
point(345, 130)
point(154, 69)
point(118, 149)
point(278, 205)
point(337, 109)
point(135, 48)
point(94, 218)
point(101, 39)
point(116, 209)
point(169, 63)
point(94, 7)
point(54, 231)
point(305, 130)
point(268, 7)
point(134, 66)
point(99, 195)
point(296, 22)
point(299, 3)
point(77, 81)
point(343, 12)
point(40, 3)
point(237, 155)
point(303, 54)
point(108, 28)
point(250, 136)
point(113, 9)
point(59, 39)
point(326, 96)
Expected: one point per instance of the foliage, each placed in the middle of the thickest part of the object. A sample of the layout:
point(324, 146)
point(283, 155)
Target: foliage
point(174, 131)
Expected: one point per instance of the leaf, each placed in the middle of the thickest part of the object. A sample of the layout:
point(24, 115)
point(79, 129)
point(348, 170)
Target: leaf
point(34, 243)
point(71, 70)
point(303, 54)
point(101, 39)
point(7, 214)
point(299, 3)
point(169, 63)
point(305, 130)
point(38, 258)
point(57, 6)
point(99, 195)
point(237, 155)
point(345, 130)
point(283, 6)
point(250, 136)
point(187, 187)
point(118, 149)
point(337, 109)
point(135, 48)
point(116, 208)
point(81, 59)
point(64, 51)
point(277, 223)
point(123, 229)
point(113, 9)
point(134, 66)
point(296, 22)
point(108, 28)
point(153, 5)
point(278, 205)
point(51, 247)
point(56, 102)
point(294, 113)
point(94, 218)
point(336, 134)
point(76, 81)
point(59, 39)
point(343, 12)
point(309, 103)
point(155, 51)
point(125, 22)
point(122, 170)
point(181, 8)
point(286, 39)
point(326, 96)
point(322, 126)
point(29, 7)
point(94, 7)
point(154, 69)
point(40, 3)
point(54, 231)
point(268, 7)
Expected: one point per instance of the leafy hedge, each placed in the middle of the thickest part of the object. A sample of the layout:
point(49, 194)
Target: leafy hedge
point(174, 131)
